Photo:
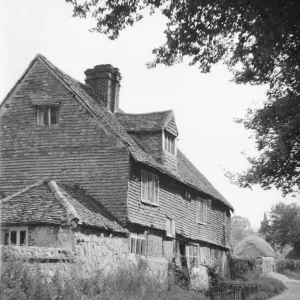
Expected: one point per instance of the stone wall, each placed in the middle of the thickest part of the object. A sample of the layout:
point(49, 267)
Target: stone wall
point(50, 236)
point(265, 265)
point(94, 251)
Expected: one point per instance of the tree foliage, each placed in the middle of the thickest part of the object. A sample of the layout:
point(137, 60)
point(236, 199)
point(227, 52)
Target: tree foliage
point(283, 225)
point(259, 40)
point(240, 228)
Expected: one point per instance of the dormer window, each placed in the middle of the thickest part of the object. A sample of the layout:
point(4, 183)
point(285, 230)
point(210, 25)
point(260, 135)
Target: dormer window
point(47, 115)
point(169, 143)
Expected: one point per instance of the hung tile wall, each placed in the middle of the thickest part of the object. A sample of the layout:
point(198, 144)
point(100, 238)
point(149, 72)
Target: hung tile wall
point(173, 204)
point(78, 150)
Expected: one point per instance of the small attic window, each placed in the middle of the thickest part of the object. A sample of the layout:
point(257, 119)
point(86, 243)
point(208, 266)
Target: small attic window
point(47, 115)
point(169, 143)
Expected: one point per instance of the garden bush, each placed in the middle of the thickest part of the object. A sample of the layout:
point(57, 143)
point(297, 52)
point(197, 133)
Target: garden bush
point(289, 268)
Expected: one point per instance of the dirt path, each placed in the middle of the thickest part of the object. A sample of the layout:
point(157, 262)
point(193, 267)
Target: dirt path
point(293, 288)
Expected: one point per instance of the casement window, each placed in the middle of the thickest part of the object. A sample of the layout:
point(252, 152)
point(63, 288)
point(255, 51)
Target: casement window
point(150, 188)
point(169, 143)
point(171, 231)
point(193, 255)
point(47, 115)
point(14, 236)
point(138, 244)
point(202, 210)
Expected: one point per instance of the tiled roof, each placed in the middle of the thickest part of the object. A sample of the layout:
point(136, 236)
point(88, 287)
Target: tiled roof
point(186, 173)
point(144, 122)
point(49, 202)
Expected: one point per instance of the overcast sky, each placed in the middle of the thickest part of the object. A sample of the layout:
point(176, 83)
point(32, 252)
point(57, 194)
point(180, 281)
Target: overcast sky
point(204, 104)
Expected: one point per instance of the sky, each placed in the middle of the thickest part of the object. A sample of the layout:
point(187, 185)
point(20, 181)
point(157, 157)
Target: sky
point(204, 104)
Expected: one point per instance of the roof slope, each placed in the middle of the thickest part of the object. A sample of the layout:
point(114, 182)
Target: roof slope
point(186, 173)
point(258, 243)
point(191, 175)
point(155, 121)
point(48, 202)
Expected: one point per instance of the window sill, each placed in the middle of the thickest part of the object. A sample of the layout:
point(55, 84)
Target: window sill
point(201, 223)
point(149, 203)
point(170, 235)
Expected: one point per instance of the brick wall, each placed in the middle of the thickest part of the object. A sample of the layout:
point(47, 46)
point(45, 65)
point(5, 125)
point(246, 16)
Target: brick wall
point(79, 149)
point(168, 248)
point(172, 203)
point(154, 243)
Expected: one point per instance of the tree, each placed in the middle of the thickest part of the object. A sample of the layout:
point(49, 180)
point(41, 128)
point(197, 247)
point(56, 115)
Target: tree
point(259, 40)
point(283, 225)
point(265, 229)
point(240, 228)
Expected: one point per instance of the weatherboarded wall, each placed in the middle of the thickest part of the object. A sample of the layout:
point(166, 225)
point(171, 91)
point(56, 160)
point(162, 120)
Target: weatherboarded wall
point(79, 150)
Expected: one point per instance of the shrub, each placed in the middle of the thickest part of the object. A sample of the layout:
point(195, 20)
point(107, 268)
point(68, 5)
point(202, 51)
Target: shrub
point(289, 268)
point(239, 266)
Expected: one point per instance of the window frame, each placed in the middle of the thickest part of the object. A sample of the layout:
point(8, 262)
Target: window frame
point(18, 230)
point(194, 260)
point(172, 227)
point(40, 111)
point(202, 211)
point(154, 183)
point(168, 139)
point(141, 238)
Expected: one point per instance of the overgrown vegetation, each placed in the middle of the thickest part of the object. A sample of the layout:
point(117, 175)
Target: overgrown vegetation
point(289, 268)
point(239, 266)
point(245, 280)
point(23, 281)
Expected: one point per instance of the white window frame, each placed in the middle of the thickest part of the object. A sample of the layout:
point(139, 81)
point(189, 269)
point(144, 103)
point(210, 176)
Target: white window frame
point(151, 185)
point(170, 227)
point(40, 114)
point(202, 211)
point(141, 238)
point(193, 255)
point(18, 230)
point(166, 135)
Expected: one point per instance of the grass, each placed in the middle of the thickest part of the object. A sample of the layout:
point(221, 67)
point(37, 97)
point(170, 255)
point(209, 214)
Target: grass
point(23, 281)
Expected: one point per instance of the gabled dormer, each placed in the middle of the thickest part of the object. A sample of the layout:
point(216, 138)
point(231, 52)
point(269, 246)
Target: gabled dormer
point(156, 133)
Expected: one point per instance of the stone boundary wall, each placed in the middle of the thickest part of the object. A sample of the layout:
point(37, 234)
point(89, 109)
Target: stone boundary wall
point(36, 254)
point(265, 265)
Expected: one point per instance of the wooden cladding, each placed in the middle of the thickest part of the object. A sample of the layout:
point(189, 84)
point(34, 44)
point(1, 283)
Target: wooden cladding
point(150, 187)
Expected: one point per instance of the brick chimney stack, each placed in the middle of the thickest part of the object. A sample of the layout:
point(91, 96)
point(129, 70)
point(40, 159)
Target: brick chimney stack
point(105, 81)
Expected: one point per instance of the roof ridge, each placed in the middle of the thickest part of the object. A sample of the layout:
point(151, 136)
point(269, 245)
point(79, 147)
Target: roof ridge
point(71, 211)
point(27, 188)
point(150, 113)
point(95, 202)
